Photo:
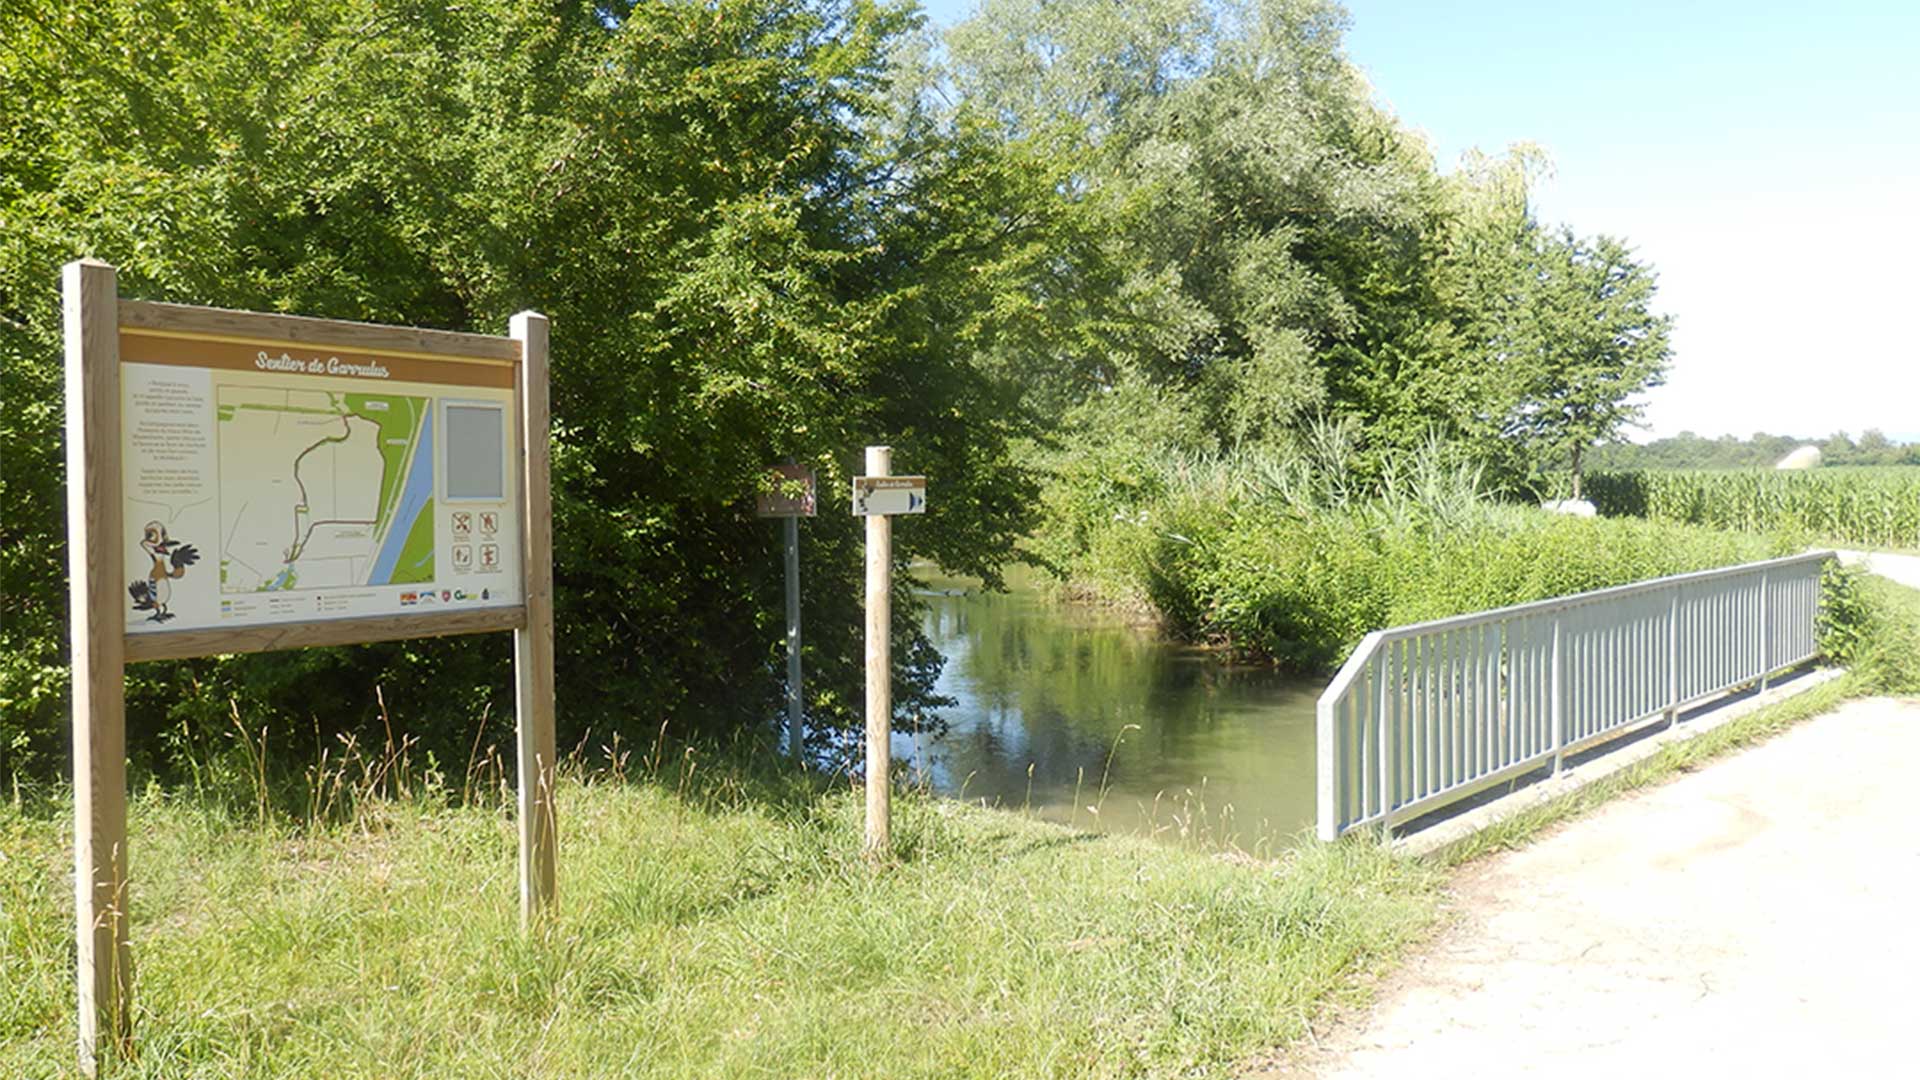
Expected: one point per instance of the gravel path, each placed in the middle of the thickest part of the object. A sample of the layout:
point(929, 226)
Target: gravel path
point(1904, 569)
point(1758, 918)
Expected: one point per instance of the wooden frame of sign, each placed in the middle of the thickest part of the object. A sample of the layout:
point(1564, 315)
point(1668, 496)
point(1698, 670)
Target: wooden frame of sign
point(390, 390)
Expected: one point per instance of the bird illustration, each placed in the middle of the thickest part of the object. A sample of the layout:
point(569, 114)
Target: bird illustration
point(170, 560)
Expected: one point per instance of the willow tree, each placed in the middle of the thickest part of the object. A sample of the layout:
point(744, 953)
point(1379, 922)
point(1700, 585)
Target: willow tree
point(1256, 210)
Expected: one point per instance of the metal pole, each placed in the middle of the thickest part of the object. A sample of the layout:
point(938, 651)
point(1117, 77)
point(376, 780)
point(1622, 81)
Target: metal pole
point(1557, 705)
point(1389, 735)
point(1766, 635)
point(879, 664)
point(1673, 658)
point(796, 734)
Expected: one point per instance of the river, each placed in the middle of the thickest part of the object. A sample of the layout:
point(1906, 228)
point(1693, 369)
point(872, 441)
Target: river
point(1073, 714)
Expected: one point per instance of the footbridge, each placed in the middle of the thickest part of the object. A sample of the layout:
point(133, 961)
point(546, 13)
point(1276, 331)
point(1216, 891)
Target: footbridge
point(1425, 716)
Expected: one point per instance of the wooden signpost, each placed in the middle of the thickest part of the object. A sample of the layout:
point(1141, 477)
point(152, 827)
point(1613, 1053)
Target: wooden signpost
point(242, 482)
point(792, 498)
point(877, 496)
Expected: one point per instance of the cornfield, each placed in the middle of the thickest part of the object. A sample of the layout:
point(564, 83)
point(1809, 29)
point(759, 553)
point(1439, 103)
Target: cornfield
point(1873, 507)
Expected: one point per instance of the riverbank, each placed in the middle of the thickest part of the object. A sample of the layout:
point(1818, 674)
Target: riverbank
point(714, 921)
point(1228, 557)
point(717, 918)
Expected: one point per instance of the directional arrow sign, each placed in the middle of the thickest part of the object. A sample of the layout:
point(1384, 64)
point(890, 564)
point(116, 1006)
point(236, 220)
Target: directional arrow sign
point(889, 495)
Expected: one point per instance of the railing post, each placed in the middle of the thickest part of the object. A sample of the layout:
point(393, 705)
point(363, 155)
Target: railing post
point(1557, 706)
point(1673, 658)
point(1390, 677)
point(1766, 637)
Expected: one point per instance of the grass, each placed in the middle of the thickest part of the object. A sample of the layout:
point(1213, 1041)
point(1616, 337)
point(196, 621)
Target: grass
point(733, 930)
point(718, 919)
point(724, 924)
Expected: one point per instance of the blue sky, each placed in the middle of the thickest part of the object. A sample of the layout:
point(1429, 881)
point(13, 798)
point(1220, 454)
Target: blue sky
point(1764, 157)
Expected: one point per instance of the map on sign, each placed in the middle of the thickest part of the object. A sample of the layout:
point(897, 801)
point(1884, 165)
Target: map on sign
point(324, 489)
point(287, 484)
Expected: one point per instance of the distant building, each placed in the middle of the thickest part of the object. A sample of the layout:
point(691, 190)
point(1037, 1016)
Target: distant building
point(1806, 457)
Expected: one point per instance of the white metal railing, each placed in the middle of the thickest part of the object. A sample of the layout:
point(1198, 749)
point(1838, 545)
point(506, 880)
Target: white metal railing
point(1422, 716)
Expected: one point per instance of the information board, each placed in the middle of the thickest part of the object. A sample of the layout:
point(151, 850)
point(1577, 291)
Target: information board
point(246, 481)
point(270, 482)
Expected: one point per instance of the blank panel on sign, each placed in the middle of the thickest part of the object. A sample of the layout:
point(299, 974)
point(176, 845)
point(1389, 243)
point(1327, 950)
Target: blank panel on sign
point(476, 452)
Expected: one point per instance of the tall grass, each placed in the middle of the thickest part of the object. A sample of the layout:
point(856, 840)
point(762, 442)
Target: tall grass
point(1872, 625)
point(717, 918)
point(1291, 556)
point(1875, 507)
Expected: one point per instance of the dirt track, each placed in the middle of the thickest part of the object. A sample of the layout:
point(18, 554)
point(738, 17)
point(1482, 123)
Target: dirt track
point(1760, 917)
point(1904, 569)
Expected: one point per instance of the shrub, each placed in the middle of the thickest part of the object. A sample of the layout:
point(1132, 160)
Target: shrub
point(1305, 592)
point(1871, 625)
point(1285, 556)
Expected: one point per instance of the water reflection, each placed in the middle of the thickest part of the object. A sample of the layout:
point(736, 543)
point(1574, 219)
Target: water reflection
point(1152, 736)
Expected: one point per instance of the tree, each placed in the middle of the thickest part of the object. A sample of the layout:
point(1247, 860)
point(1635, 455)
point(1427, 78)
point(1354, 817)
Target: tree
point(1584, 344)
point(1837, 449)
point(1876, 448)
point(1256, 207)
point(750, 244)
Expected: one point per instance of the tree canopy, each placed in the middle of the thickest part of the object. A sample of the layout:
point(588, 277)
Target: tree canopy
point(1069, 235)
point(1583, 345)
point(1760, 450)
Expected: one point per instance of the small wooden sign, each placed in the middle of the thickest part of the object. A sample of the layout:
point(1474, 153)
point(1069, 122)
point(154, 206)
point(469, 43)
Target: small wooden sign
point(886, 495)
point(790, 492)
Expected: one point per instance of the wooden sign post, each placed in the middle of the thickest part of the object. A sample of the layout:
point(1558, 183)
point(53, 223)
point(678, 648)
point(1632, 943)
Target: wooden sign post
point(792, 498)
point(533, 638)
point(877, 496)
point(242, 482)
point(94, 564)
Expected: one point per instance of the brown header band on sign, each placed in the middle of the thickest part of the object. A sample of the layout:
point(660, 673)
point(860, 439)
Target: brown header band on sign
point(146, 347)
point(890, 483)
point(219, 324)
